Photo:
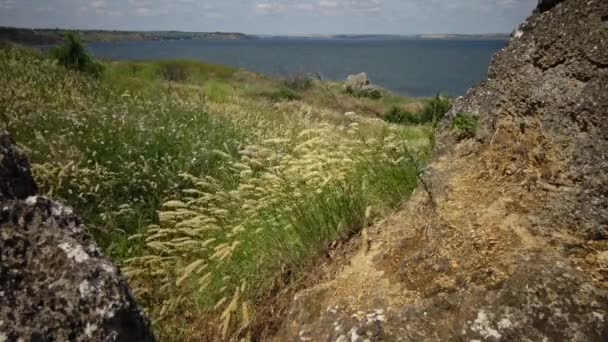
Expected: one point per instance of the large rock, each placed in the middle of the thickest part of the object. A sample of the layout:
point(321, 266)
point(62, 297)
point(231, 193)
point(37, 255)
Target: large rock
point(55, 284)
point(552, 82)
point(545, 5)
point(15, 178)
point(508, 238)
point(358, 81)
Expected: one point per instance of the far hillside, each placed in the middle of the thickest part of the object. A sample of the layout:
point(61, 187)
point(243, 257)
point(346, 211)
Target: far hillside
point(29, 36)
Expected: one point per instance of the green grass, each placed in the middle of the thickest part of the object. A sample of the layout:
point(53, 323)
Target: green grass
point(203, 190)
point(432, 111)
point(465, 125)
point(282, 94)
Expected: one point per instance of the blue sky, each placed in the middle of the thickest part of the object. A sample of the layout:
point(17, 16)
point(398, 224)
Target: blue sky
point(272, 16)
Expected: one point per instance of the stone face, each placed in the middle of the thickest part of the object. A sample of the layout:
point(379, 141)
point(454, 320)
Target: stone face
point(15, 178)
point(512, 245)
point(55, 284)
point(358, 81)
point(544, 300)
point(554, 81)
point(545, 5)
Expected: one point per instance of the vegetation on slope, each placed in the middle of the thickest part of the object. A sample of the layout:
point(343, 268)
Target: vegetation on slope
point(204, 188)
point(55, 36)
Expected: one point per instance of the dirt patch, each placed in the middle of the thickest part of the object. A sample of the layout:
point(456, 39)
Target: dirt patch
point(514, 244)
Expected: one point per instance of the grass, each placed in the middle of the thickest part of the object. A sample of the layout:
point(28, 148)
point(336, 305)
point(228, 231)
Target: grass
point(203, 190)
point(432, 111)
point(465, 125)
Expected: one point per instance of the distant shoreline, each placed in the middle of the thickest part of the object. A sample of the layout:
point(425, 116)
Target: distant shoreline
point(396, 37)
point(29, 36)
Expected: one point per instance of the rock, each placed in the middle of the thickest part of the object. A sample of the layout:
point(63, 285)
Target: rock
point(544, 300)
point(358, 81)
point(55, 284)
point(513, 218)
point(15, 178)
point(545, 5)
point(554, 84)
point(602, 260)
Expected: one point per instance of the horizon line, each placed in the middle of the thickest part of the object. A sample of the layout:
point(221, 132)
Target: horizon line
point(264, 34)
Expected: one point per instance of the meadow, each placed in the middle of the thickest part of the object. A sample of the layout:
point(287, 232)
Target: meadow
point(208, 184)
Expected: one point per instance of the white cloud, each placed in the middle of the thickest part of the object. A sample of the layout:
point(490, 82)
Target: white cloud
point(274, 16)
point(143, 11)
point(7, 4)
point(99, 4)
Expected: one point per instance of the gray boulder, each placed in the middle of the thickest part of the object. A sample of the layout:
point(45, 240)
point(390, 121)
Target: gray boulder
point(358, 81)
point(55, 284)
point(15, 178)
point(545, 5)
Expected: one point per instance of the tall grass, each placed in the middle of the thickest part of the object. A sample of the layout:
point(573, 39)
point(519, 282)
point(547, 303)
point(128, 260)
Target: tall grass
point(204, 195)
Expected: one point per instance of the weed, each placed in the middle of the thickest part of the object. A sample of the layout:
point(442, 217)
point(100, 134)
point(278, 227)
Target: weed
point(465, 125)
point(283, 94)
point(402, 116)
point(374, 94)
point(435, 109)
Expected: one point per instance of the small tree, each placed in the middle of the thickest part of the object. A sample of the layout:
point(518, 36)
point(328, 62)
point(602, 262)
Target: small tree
point(73, 54)
point(436, 109)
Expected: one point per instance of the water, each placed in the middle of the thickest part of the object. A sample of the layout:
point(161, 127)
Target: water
point(405, 66)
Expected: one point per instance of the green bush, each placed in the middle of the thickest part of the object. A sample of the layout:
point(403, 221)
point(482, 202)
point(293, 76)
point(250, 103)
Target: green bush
point(283, 94)
point(374, 94)
point(435, 109)
point(465, 125)
point(402, 116)
point(73, 54)
point(174, 72)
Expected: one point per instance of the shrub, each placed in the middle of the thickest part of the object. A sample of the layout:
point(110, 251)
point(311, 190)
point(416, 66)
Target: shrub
point(73, 54)
point(174, 72)
point(374, 94)
point(283, 94)
point(465, 125)
point(402, 116)
point(435, 109)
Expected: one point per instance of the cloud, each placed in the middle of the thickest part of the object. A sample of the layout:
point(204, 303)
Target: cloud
point(274, 16)
point(99, 4)
point(7, 4)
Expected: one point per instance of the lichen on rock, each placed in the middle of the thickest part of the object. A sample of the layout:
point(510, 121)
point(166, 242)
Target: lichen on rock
point(55, 284)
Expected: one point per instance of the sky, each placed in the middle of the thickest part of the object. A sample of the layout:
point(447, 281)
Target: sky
point(288, 17)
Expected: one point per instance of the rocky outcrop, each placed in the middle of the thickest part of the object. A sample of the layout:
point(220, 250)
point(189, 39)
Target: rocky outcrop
point(55, 284)
point(545, 5)
point(357, 81)
point(552, 83)
point(360, 84)
point(508, 240)
point(15, 178)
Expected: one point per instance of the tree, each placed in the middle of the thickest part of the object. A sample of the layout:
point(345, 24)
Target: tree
point(73, 54)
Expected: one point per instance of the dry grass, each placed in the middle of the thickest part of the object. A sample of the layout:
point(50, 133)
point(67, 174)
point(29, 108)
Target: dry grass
point(204, 191)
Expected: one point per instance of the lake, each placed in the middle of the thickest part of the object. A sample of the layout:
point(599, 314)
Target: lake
point(406, 66)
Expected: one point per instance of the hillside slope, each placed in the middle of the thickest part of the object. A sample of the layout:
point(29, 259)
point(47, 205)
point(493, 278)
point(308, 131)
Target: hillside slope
point(510, 242)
